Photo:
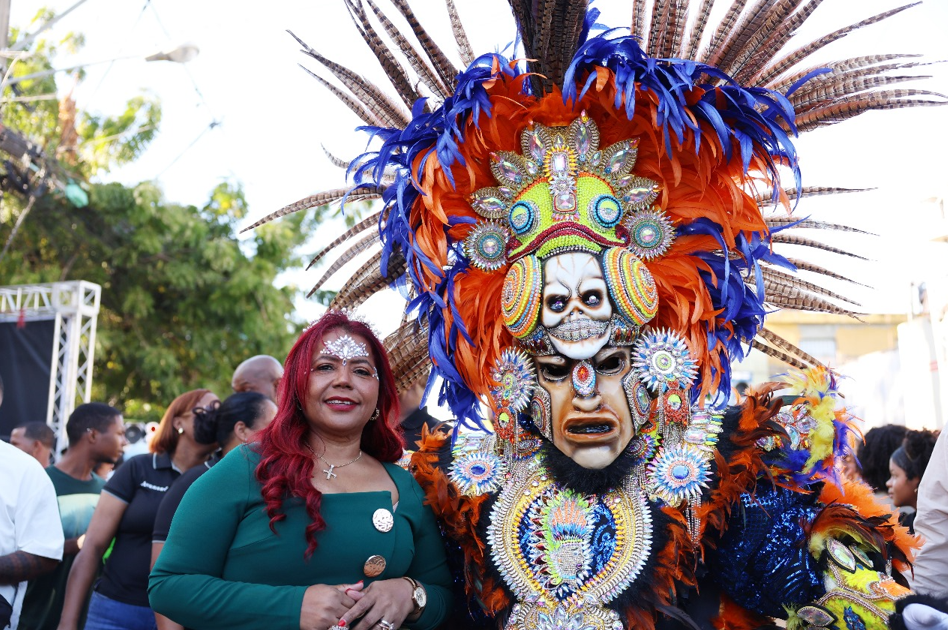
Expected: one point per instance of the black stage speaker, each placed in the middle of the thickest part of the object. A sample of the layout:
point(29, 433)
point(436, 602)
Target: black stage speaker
point(25, 356)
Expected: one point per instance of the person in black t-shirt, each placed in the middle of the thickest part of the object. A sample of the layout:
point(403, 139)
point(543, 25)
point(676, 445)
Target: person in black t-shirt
point(126, 512)
point(237, 421)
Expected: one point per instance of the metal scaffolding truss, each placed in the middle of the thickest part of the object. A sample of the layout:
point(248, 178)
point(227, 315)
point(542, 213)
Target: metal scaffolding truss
point(75, 308)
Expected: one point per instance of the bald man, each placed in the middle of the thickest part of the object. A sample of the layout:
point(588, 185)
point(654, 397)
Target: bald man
point(259, 374)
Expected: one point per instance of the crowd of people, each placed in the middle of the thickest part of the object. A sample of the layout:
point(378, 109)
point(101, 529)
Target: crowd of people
point(81, 547)
point(302, 516)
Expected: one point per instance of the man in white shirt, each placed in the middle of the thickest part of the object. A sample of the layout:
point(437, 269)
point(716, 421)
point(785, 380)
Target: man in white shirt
point(931, 523)
point(31, 533)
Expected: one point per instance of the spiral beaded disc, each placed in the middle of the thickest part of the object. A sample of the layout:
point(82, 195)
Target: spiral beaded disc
point(630, 285)
point(521, 296)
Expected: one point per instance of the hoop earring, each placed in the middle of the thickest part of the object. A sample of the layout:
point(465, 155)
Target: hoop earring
point(375, 415)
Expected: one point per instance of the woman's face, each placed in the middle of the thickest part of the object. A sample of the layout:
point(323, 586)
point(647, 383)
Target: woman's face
point(902, 490)
point(186, 420)
point(343, 388)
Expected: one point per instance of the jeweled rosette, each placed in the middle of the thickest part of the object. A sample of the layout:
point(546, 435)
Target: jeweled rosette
point(477, 473)
point(650, 234)
point(486, 246)
point(678, 473)
point(662, 358)
point(515, 380)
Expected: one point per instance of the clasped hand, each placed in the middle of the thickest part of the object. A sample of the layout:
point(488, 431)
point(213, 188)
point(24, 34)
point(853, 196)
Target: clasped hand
point(325, 606)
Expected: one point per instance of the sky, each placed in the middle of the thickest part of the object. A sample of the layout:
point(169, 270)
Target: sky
point(271, 118)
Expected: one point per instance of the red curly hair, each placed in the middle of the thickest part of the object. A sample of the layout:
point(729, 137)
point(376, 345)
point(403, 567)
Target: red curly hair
point(286, 464)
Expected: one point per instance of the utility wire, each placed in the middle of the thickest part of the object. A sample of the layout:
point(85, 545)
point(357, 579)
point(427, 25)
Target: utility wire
point(213, 124)
point(121, 50)
point(197, 89)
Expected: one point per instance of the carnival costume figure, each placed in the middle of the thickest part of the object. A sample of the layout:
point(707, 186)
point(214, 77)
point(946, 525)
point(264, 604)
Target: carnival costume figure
point(586, 234)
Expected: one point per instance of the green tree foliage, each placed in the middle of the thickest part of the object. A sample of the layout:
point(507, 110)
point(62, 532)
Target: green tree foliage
point(184, 299)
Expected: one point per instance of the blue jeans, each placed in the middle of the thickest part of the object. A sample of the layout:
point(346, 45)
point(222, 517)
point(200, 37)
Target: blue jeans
point(108, 614)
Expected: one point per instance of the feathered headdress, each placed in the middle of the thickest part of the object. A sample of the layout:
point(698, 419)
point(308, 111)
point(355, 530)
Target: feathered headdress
point(639, 144)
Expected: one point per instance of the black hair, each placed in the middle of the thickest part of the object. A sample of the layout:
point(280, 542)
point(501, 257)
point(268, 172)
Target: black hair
point(89, 416)
point(1, 386)
point(218, 425)
point(915, 452)
point(40, 432)
point(874, 454)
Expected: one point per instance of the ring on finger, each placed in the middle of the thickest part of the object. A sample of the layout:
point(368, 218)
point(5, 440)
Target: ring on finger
point(386, 625)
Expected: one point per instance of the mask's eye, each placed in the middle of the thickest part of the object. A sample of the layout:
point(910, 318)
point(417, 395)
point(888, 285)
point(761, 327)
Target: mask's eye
point(592, 298)
point(554, 371)
point(556, 303)
point(612, 364)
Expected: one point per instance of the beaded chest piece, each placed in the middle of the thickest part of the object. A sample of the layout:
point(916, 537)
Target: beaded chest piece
point(565, 555)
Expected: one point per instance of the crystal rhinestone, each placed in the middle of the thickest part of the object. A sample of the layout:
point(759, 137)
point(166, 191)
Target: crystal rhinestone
point(531, 167)
point(583, 140)
point(489, 205)
point(510, 171)
point(596, 157)
point(694, 436)
point(861, 556)
point(535, 146)
point(559, 163)
point(681, 471)
point(639, 194)
point(841, 554)
point(491, 246)
point(506, 192)
point(478, 469)
point(617, 161)
point(564, 201)
point(382, 520)
point(815, 616)
point(647, 235)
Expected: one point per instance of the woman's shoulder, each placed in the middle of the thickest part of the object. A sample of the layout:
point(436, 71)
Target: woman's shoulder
point(245, 456)
point(234, 475)
point(404, 480)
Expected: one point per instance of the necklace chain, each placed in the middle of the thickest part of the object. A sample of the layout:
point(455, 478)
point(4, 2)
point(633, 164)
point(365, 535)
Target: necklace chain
point(329, 473)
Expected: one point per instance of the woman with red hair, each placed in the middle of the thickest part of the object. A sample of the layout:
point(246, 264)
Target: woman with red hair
point(314, 527)
point(126, 513)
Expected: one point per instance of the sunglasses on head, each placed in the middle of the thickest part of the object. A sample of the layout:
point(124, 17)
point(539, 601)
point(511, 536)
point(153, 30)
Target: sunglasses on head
point(211, 408)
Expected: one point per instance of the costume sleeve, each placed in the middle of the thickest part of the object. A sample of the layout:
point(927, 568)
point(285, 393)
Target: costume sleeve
point(931, 523)
point(37, 525)
point(762, 561)
point(815, 556)
point(186, 584)
point(430, 565)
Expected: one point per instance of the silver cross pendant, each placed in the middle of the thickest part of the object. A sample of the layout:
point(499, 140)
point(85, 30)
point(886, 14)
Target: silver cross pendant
point(330, 473)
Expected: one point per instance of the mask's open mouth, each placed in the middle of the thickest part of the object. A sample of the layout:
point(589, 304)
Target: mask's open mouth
point(590, 429)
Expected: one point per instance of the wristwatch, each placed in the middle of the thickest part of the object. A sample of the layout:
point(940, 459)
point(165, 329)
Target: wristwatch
point(419, 598)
